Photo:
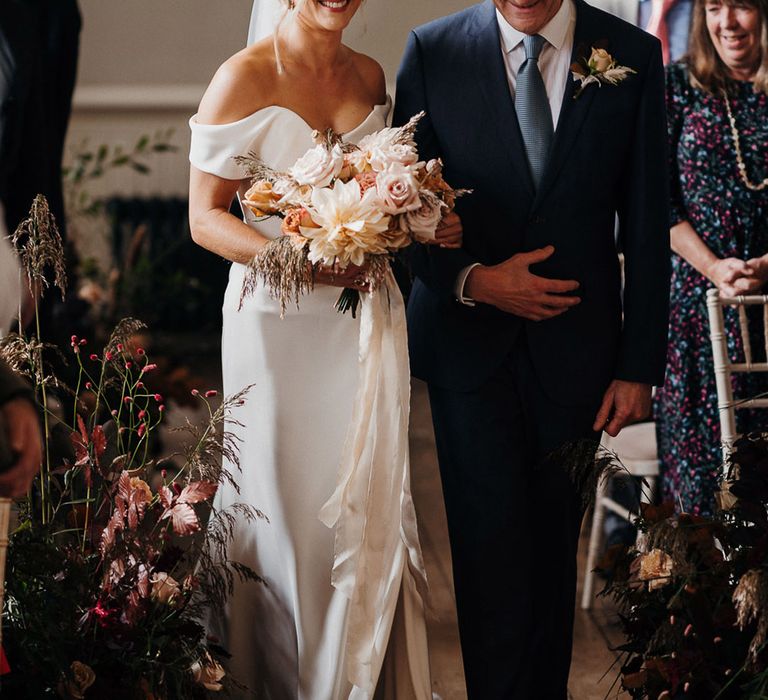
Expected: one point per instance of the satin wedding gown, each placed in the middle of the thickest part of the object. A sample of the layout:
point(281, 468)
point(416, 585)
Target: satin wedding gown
point(300, 637)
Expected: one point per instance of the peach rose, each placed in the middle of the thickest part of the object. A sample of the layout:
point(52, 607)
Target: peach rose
point(261, 198)
point(600, 60)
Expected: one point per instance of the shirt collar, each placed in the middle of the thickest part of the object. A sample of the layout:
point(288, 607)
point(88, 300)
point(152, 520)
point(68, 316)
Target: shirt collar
point(555, 31)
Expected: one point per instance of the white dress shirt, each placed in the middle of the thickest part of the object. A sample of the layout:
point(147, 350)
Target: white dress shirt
point(555, 67)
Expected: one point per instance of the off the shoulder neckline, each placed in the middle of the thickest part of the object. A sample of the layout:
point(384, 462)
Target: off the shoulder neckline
point(376, 108)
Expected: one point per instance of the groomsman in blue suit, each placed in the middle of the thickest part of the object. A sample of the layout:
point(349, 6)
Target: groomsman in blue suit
point(524, 335)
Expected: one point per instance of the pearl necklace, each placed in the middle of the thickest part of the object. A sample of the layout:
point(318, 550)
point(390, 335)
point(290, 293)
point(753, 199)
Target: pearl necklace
point(739, 158)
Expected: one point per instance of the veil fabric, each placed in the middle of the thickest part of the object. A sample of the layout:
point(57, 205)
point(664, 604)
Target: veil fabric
point(265, 16)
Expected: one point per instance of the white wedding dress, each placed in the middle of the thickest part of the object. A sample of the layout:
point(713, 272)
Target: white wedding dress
point(302, 637)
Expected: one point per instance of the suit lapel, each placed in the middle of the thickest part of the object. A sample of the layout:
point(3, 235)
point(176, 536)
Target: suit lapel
point(500, 108)
point(574, 112)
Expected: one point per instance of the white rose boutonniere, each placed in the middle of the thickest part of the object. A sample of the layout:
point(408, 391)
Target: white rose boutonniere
point(599, 68)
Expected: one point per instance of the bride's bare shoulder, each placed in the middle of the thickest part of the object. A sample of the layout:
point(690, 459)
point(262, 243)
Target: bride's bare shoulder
point(371, 75)
point(244, 84)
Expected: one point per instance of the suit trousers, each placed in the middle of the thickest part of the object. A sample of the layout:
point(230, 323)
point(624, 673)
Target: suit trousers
point(513, 518)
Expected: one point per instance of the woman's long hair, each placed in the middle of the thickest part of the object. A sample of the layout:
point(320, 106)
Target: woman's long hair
point(705, 67)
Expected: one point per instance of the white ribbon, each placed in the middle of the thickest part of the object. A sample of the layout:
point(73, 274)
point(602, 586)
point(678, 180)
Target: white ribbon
point(376, 544)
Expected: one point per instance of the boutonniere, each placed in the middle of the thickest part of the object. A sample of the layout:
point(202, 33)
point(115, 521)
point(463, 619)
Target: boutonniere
point(600, 68)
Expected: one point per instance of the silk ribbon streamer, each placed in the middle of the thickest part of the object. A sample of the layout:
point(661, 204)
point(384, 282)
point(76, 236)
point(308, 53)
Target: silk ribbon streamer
point(376, 539)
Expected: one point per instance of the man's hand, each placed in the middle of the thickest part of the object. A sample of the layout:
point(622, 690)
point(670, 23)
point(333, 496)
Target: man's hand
point(623, 403)
point(510, 287)
point(25, 442)
point(449, 233)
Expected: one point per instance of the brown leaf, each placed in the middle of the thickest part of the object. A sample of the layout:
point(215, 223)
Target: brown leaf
point(183, 519)
point(99, 442)
point(197, 491)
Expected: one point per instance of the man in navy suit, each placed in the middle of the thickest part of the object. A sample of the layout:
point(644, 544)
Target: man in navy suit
point(524, 335)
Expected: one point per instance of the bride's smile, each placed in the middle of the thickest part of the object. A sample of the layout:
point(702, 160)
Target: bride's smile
point(334, 5)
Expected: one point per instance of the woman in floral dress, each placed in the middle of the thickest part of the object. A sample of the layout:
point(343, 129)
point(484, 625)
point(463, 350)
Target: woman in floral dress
point(719, 232)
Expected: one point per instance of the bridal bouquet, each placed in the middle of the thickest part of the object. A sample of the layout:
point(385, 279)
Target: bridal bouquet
point(342, 204)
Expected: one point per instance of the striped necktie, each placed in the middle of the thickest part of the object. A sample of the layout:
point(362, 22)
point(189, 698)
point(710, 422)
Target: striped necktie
point(532, 107)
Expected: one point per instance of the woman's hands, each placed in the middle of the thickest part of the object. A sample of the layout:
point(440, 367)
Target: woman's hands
point(353, 277)
point(735, 277)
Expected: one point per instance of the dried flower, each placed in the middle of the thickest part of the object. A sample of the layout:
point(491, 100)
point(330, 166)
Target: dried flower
point(165, 589)
point(142, 488)
point(209, 673)
point(39, 245)
point(656, 569)
point(80, 678)
point(751, 600)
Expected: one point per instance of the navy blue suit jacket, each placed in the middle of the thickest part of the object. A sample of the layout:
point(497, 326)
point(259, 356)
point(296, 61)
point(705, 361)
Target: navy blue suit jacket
point(608, 157)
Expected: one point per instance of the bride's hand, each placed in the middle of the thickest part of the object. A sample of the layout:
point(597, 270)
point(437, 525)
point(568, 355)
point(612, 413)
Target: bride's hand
point(353, 277)
point(450, 233)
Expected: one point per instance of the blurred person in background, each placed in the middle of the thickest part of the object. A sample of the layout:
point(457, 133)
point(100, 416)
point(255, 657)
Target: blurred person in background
point(717, 104)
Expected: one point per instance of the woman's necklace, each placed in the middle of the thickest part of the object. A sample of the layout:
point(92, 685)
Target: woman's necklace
point(739, 159)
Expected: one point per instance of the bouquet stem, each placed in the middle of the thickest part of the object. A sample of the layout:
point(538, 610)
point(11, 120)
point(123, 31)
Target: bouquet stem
point(349, 300)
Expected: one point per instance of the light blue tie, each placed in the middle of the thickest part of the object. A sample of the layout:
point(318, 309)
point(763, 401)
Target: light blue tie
point(532, 107)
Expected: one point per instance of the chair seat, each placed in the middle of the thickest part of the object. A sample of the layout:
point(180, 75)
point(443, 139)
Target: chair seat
point(636, 448)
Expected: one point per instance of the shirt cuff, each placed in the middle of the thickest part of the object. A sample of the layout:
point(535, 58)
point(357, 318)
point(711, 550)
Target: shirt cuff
point(461, 280)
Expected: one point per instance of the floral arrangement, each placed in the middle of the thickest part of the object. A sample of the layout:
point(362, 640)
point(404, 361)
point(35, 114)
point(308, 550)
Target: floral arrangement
point(118, 554)
point(600, 68)
point(342, 204)
point(694, 594)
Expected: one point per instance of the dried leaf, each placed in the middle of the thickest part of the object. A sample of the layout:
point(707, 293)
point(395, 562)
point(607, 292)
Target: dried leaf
point(183, 519)
point(197, 491)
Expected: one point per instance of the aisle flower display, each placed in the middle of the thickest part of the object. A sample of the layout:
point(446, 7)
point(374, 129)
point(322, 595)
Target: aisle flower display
point(118, 554)
point(693, 595)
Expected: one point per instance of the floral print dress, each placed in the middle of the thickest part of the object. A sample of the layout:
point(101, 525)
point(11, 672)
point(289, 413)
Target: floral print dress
point(732, 220)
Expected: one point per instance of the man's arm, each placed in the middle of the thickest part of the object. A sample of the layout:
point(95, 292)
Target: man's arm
point(644, 230)
point(438, 268)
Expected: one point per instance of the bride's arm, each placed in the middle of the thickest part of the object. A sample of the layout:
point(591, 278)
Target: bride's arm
point(211, 224)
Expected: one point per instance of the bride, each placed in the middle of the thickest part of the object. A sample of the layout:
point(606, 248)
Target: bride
point(342, 614)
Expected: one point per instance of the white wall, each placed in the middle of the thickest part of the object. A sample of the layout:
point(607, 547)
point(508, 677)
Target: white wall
point(145, 63)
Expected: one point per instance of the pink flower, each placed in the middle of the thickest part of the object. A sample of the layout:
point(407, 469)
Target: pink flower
point(149, 368)
point(195, 392)
point(142, 429)
point(94, 357)
point(211, 393)
point(119, 347)
point(161, 408)
point(128, 365)
point(127, 399)
point(141, 414)
point(398, 189)
point(158, 398)
point(139, 385)
point(108, 355)
point(140, 352)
